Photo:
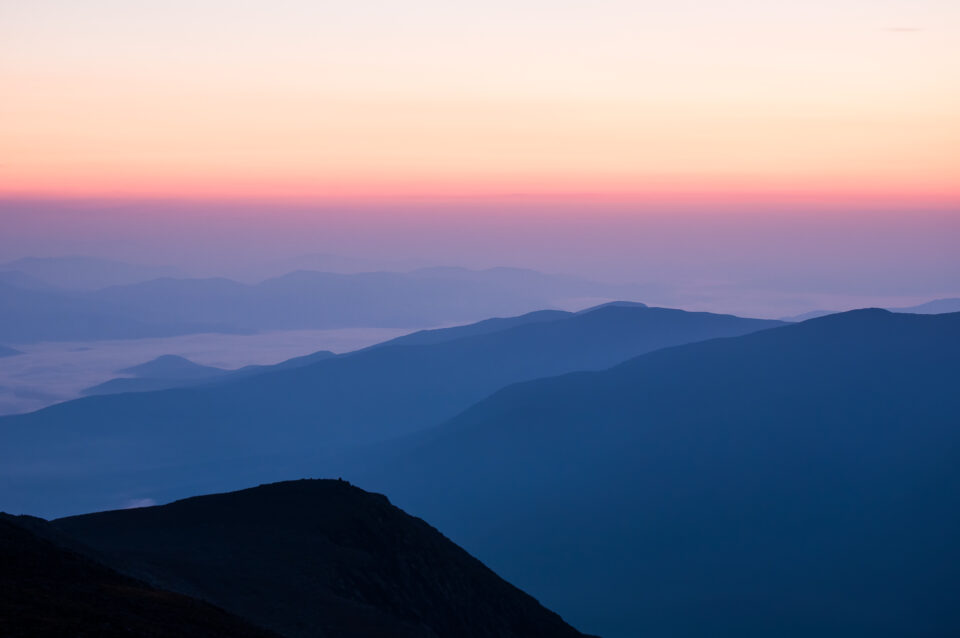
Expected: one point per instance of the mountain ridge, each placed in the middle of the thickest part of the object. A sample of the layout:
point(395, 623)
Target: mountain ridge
point(299, 300)
point(830, 445)
point(326, 406)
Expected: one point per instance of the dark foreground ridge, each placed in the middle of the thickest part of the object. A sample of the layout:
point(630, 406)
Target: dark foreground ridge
point(49, 591)
point(317, 558)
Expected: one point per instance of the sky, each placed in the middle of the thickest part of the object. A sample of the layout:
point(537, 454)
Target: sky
point(846, 99)
point(706, 135)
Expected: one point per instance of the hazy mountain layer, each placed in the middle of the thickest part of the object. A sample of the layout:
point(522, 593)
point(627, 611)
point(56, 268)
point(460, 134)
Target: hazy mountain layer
point(28, 315)
point(98, 452)
point(800, 481)
point(934, 307)
point(162, 373)
point(79, 273)
point(171, 371)
point(298, 300)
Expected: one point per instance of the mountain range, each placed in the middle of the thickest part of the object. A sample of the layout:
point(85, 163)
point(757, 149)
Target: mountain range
point(79, 272)
point(797, 481)
point(934, 307)
point(298, 300)
point(98, 452)
point(643, 471)
point(173, 371)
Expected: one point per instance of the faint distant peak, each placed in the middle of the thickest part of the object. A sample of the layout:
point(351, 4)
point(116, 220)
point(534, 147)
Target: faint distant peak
point(933, 307)
point(81, 272)
point(170, 366)
point(20, 279)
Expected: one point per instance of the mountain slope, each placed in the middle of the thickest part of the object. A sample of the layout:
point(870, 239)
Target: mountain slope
point(169, 371)
point(123, 385)
point(50, 591)
point(320, 558)
point(171, 366)
point(129, 445)
point(800, 481)
point(487, 326)
point(164, 372)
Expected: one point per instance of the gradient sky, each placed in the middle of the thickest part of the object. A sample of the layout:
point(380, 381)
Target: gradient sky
point(849, 102)
point(762, 156)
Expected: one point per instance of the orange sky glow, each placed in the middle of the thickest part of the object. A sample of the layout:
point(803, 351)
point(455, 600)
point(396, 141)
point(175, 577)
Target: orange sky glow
point(848, 102)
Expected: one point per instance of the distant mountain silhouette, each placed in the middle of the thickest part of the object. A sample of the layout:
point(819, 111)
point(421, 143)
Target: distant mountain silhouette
point(84, 273)
point(23, 280)
point(317, 558)
point(525, 282)
point(799, 481)
point(171, 366)
point(30, 315)
point(289, 364)
point(8, 352)
point(164, 372)
point(323, 262)
point(309, 299)
point(487, 326)
point(98, 452)
point(935, 307)
point(298, 300)
point(48, 590)
point(171, 371)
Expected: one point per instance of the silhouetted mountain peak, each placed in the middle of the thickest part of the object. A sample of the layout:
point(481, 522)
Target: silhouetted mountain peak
point(934, 307)
point(320, 557)
point(171, 366)
point(858, 313)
